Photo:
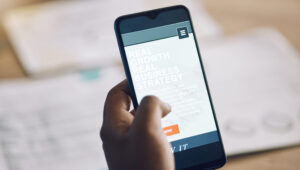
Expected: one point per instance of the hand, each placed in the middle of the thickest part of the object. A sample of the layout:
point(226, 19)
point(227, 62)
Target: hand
point(135, 140)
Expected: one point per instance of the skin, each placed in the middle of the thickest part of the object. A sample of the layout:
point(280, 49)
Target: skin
point(135, 140)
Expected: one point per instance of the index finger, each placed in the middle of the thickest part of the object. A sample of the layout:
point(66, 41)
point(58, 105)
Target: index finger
point(116, 114)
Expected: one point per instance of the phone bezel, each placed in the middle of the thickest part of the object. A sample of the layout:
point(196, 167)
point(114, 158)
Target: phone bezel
point(191, 153)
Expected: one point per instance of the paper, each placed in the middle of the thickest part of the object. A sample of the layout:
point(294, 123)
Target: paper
point(68, 35)
point(55, 123)
point(255, 85)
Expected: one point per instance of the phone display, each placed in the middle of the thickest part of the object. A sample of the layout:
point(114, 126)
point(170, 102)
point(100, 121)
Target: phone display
point(161, 58)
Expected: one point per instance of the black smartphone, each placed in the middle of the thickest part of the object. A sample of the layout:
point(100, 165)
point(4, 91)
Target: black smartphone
point(161, 57)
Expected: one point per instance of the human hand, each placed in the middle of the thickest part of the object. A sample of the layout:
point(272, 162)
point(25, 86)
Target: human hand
point(135, 140)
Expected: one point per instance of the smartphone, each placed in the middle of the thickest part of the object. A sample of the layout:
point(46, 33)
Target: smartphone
point(161, 57)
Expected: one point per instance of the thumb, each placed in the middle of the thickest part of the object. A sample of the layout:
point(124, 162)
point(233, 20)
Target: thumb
point(149, 113)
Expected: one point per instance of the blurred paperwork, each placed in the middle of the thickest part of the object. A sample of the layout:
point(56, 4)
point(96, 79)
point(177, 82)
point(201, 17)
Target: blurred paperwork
point(68, 35)
point(255, 86)
point(52, 123)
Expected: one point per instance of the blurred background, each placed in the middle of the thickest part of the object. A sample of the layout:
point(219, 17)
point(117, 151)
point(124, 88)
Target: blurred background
point(59, 58)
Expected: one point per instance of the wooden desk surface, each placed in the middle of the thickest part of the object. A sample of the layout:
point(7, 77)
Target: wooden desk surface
point(235, 16)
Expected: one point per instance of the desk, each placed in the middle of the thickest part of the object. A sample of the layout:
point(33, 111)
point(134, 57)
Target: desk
point(234, 16)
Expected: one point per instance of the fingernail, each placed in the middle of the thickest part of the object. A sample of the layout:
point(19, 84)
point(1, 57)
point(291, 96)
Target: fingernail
point(167, 105)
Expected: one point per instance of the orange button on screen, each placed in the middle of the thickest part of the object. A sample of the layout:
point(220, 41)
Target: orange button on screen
point(171, 130)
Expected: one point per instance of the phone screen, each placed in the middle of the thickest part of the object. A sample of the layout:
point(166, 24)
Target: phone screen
point(164, 61)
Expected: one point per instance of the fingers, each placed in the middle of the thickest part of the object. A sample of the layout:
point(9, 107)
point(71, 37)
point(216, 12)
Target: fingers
point(149, 113)
point(116, 116)
point(118, 96)
point(117, 119)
